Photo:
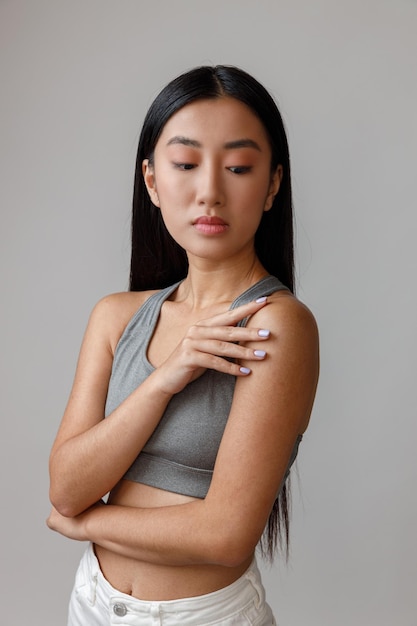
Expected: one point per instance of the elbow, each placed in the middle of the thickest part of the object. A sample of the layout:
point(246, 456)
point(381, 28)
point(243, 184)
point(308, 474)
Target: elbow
point(227, 537)
point(58, 494)
point(62, 501)
point(64, 497)
point(231, 546)
point(234, 555)
point(71, 504)
point(63, 505)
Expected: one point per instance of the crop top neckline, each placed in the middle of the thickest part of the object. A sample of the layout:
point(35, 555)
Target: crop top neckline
point(180, 454)
point(156, 300)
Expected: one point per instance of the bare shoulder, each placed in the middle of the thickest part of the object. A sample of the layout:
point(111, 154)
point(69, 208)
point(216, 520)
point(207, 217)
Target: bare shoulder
point(290, 371)
point(286, 314)
point(112, 313)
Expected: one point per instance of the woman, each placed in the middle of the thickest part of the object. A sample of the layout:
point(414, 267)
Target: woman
point(205, 373)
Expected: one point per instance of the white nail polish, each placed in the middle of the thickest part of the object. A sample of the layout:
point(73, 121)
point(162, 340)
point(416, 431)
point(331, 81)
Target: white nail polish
point(263, 332)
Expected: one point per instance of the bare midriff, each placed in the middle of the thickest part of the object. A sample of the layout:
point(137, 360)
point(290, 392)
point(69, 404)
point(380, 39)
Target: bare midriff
point(151, 581)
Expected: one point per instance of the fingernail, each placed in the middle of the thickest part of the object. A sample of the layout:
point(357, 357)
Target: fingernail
point(259, 353)
point(245, 370)
point(263, 333)
point(262, 299)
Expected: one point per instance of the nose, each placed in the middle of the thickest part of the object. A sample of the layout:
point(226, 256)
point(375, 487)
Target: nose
point(210, 188)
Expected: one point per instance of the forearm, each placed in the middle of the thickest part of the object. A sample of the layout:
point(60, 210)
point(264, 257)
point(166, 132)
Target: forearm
point(177, 535)
point(87, 466)
point(164, 535)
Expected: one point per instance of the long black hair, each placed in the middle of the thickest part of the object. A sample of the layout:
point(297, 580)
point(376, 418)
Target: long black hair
point(157, 261)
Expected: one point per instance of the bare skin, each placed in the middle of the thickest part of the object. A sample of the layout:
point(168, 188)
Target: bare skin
point(153, 544)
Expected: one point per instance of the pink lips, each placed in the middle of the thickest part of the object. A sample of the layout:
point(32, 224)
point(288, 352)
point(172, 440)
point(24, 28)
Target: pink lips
point(210, 225)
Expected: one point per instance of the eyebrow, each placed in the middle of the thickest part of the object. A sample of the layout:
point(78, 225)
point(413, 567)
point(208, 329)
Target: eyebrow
point(229, 145)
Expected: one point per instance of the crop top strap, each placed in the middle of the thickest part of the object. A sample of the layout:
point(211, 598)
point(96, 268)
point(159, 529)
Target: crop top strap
point(265, 287)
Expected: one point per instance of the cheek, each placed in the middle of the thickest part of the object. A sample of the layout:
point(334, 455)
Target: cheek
point(173, 201)
point(171, 189)
point(256, 195)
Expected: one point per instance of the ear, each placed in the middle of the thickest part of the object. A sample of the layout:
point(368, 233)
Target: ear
point(274, 186)
point(149, 178)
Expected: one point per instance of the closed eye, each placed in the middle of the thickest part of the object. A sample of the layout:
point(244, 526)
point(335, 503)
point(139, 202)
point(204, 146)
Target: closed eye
point(184, 166)
point(240, 169)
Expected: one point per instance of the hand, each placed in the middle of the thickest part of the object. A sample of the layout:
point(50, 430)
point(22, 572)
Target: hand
point(208, 345)
point(71, 527)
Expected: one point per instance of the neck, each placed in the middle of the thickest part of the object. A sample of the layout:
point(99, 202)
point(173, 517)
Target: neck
point(206, 286)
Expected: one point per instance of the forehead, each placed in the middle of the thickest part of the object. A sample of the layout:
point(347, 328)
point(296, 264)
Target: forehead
point(219, 120)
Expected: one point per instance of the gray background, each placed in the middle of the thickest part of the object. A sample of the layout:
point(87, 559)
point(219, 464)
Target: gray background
point(76, 79)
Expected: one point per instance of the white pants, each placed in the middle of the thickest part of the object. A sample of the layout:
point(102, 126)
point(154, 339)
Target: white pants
point(94, 602)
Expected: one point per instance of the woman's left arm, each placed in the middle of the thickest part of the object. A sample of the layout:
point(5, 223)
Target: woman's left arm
point(270, 408)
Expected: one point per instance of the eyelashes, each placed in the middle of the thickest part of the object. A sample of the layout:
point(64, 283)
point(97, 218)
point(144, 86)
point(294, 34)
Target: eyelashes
point(184, 166)
point(240, 169)
point(234, 169)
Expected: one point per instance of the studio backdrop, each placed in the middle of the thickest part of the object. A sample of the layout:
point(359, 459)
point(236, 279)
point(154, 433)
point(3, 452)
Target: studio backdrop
point(76, 80)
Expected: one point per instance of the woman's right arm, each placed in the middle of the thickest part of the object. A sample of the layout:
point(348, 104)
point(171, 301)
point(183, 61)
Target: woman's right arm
point(90, 454)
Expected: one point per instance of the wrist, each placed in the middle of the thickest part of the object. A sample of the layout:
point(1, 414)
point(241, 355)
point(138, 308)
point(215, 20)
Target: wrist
point(158, 388)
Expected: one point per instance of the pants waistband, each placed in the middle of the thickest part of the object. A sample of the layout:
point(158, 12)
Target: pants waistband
point(245, 590)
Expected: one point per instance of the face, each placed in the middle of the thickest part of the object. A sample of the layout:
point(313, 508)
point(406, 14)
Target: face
point(211, 178)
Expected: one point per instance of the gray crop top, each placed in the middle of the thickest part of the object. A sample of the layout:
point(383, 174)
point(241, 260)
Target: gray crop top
point(180, 454)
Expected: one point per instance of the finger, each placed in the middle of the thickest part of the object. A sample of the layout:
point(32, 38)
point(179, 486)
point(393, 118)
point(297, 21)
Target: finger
point(227, 333)
point(213, 362)
point(223, 349)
